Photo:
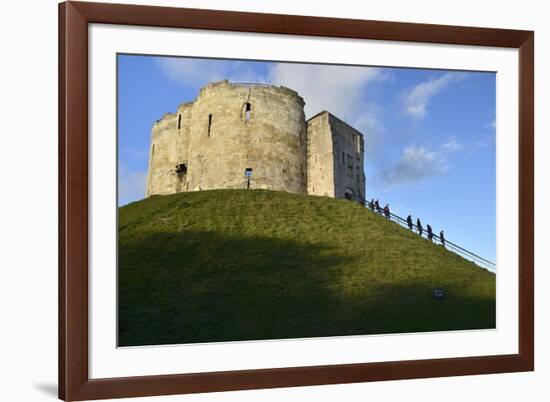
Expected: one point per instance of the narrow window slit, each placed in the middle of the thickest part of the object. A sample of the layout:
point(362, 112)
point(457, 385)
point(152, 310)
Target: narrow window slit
point(179, 121)
point(247, 111)
point(209, 124)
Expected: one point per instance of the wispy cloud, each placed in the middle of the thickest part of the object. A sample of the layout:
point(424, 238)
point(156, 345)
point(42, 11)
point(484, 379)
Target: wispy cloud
point(415, 164)
point(452, 145)
point(468, 147)
point(418, 98)
point(419, 162)
point(478, 143)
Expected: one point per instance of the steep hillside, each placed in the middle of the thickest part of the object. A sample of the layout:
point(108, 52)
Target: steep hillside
point(236, 265)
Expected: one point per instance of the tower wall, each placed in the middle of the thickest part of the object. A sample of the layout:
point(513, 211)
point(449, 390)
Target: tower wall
point(208, 144)
point(335, 158)
point(320, 156)
point(169, 149)
point(349, 176)
point(161, 178)
point(224, 141)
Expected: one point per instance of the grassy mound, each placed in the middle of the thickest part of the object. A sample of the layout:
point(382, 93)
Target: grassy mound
point(239, 265)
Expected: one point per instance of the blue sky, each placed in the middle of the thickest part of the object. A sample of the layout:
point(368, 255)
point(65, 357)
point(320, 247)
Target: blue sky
point(429, 134)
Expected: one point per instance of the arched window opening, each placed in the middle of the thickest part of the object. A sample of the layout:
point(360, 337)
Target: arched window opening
point(181, 173)
point(181, 169)
point(247, 111)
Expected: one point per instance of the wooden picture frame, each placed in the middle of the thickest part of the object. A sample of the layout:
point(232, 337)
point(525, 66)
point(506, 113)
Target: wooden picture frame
point(74, 381)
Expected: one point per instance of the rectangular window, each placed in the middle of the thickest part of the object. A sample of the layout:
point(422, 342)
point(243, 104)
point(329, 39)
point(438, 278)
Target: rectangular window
point(209, 124)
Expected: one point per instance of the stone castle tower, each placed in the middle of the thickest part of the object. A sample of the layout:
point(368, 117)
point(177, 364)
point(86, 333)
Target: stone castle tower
point(210, 142)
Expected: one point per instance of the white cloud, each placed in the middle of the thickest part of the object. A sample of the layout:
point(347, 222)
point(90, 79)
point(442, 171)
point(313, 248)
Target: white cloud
point(343, 91)
point(415, 165)
point(337, 89)
point(199, 72)
point(131, 185)
point(417, 100)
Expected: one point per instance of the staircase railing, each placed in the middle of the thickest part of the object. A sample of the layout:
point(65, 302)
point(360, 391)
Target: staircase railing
point(449, 245)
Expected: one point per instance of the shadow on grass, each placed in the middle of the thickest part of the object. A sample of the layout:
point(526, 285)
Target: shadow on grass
point(193, 286)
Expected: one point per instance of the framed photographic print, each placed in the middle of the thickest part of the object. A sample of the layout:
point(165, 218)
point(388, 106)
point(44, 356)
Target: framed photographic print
point(260, 200)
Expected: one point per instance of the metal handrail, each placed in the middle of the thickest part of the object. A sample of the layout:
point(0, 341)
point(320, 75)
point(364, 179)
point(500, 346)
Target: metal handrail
point(467, 254)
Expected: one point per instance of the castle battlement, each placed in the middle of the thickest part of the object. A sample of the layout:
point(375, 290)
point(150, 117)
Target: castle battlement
point(230, 127)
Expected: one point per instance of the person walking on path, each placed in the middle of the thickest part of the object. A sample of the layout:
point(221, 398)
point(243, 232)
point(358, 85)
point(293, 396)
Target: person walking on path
point(387, 211)
point(377, 206)
point(430, 232)
point(442, 238)
point(410, 222)
point(419, 226)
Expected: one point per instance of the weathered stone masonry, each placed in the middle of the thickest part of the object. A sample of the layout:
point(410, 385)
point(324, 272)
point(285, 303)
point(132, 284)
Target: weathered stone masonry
point(208, 144)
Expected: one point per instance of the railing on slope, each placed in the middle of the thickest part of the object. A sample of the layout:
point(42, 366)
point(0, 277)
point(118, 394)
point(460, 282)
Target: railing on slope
point(467, 254)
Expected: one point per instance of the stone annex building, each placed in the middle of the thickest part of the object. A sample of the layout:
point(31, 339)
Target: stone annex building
point(231, 127)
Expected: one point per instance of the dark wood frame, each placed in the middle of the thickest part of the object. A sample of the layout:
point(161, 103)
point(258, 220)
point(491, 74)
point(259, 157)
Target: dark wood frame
point(74, 17)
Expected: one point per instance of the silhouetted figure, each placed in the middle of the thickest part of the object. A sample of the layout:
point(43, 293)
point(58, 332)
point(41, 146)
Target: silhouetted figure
point(377, 206)
point(372, 204)
point(419, 226)
point(442, 238)
point(430, 232)
point(387, 211)
point(410, 222)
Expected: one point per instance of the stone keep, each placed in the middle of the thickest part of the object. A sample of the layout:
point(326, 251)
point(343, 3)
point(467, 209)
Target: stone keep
point(208, 143)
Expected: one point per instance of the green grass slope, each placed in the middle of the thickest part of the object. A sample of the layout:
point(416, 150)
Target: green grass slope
point(239, 265)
